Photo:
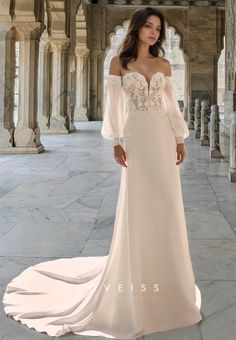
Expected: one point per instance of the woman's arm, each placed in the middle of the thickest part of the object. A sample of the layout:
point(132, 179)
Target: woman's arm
point(115, 111)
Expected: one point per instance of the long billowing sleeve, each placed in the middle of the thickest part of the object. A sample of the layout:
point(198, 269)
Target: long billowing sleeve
point(115, 110)
point(178, 124)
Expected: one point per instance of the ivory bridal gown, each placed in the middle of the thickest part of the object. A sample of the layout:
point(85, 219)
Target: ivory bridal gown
point(146, 283)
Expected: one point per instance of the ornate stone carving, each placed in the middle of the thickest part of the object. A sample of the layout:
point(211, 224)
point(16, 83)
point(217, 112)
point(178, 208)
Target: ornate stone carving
point(200, 3)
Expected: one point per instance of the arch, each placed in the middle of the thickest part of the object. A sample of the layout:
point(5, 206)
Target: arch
point(31, 10)
point(14, 34)
point(175, 55)
point(178, 68)
point(8, 7)
point(48, 16)
point(39, 10)
point(119, 31)
point(177, 33)
point(56, 11)
point(25, 8)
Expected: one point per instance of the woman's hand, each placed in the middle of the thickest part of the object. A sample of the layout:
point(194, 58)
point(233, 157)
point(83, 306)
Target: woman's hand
point(120, 155)
point(180, 153)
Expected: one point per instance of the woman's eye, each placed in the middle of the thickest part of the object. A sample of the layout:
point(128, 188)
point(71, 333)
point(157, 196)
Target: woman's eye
point(158, 29)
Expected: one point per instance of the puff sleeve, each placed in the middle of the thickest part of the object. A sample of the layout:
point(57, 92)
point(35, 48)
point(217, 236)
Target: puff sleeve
point(115, 110)
point(178, 124)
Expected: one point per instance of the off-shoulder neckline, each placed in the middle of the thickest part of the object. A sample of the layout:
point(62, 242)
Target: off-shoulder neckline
point(121, 76)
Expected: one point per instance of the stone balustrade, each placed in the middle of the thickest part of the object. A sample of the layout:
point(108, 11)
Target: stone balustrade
point(209, 131)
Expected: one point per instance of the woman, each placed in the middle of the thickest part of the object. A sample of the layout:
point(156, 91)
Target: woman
point(146, 283)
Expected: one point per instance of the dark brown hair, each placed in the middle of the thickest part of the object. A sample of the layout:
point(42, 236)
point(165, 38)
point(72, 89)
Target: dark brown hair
point(128, 49)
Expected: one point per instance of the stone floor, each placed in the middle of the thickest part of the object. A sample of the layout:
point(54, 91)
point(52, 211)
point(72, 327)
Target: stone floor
point(74, 184)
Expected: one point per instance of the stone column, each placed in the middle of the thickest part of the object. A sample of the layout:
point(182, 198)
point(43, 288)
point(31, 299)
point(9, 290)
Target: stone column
point(197, 118)
point(191, 122)
point(59, 120)
point(204, 137)
point(96, 84)
point(215, 151)
point(6, 88)
point(43, 84)
point(232, 159)
point(27, 133)
point(71, 92)
point(81, 99)
point(101, 57)
point(230, 82)
point(188, 107)
point(93, 79)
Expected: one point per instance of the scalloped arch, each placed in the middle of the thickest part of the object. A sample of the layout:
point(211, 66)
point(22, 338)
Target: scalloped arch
point(114, 33)
point(178, 34)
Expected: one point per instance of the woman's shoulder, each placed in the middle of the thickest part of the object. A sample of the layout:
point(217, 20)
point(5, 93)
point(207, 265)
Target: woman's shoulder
point(115, 66)
point(166, 66)
point(164, 60)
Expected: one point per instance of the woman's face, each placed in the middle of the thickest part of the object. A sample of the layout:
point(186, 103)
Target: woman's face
point(150, 32)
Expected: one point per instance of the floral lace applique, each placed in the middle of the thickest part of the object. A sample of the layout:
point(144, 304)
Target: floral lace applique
point(142, 96)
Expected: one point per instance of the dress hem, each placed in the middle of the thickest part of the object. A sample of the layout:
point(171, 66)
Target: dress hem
point(166, 328)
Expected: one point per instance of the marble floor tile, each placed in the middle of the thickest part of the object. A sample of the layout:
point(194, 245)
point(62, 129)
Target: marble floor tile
point(45, 239)
point(208, 225)
point(61, 203)
point(214, 259)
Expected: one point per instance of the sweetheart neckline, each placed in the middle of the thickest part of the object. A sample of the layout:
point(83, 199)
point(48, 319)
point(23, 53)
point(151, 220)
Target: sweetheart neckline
point(144, 75)
point(147, 82)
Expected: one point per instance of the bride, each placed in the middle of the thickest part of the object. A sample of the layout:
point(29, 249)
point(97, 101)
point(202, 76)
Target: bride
point(146, 282)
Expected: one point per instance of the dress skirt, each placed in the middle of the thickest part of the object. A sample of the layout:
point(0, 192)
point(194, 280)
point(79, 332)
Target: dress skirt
point(146, 283)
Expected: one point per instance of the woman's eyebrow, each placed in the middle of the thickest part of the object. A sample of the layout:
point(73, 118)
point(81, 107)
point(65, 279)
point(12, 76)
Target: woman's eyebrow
point(152, 23)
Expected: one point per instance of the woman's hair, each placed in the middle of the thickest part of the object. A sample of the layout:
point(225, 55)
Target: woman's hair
point(128, 49)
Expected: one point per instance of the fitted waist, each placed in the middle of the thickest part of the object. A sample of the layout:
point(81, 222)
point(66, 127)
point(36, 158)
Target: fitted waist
point(146, 112)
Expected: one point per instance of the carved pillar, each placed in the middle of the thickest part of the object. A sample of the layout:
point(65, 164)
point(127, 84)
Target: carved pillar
point(197, 118)
point(59, 120)
point(93, 86)
point(204, 137)
point(101, 57)
point(188, 107)
point(81, 99)
point(230, 81)
point(27, 133)
point(232, 165)
point(191, 118)
point(96, 84)
point(71, 92)
point(6, 88)
point(43, 84)
point(214, 150)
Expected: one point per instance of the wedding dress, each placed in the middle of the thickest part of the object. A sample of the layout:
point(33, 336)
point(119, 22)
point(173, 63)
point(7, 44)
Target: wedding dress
point(146, 283)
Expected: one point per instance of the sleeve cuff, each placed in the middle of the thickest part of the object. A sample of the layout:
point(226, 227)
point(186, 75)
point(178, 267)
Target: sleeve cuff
point(116, 141)
point(179, 140)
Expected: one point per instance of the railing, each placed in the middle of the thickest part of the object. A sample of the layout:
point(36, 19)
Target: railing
point(207, 126)
point(206, 123)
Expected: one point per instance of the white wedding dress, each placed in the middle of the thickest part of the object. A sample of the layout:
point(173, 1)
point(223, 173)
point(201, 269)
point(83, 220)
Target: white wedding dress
point(146, 282)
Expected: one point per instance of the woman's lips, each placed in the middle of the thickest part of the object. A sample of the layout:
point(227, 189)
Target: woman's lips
point(152, 38)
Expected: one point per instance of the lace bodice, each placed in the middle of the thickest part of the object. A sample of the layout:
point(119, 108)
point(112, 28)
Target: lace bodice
point(133, 93)
point(141, 95)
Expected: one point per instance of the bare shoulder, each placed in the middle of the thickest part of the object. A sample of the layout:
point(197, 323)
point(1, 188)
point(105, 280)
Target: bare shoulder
point(115, 66)
point(166, 66)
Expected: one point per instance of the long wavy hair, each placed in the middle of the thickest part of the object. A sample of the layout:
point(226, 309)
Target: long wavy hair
point(128, 49)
